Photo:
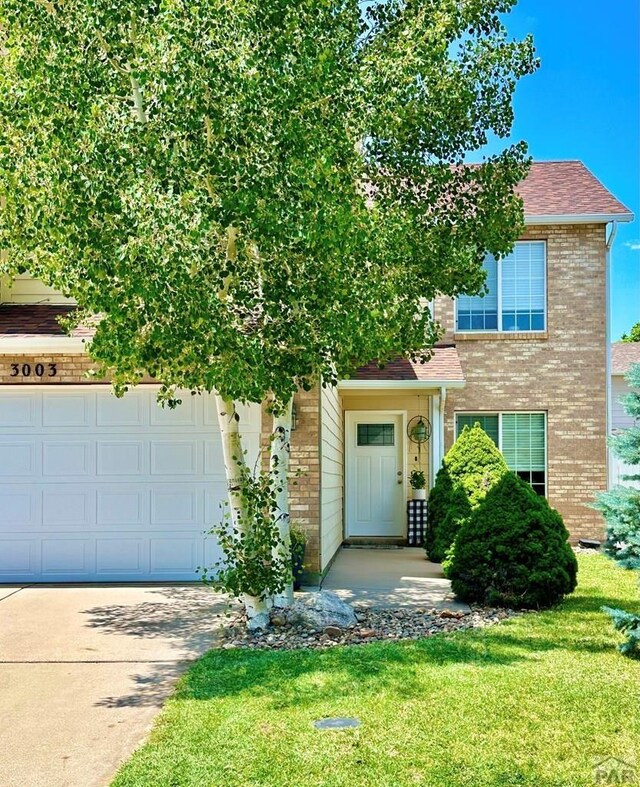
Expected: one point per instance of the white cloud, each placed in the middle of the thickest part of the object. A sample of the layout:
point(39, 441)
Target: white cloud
point(634, 245)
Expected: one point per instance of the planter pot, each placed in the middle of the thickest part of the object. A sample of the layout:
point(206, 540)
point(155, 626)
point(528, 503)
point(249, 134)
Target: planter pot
point(419, 494)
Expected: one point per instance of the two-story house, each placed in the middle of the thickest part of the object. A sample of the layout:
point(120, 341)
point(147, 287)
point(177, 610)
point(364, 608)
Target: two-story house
point(95, 488)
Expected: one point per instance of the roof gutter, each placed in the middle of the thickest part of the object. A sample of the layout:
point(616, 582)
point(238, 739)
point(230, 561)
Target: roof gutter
point(42, 344)
point(443, 402)
point(381, 385)
point(579, 218)
point(609, 394)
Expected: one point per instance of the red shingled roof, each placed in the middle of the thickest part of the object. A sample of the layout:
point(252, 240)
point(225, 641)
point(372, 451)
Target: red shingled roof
point(23, 320)
point(444, 366)
point(566, 188)
point(624, 355)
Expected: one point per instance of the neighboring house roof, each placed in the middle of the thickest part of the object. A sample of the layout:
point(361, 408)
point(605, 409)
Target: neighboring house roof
point(444, 366)
point(624, 355)
point(565, 189)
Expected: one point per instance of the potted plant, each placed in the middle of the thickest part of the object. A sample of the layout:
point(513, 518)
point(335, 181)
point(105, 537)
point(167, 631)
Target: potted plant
point(298, 544)
point(418, 484)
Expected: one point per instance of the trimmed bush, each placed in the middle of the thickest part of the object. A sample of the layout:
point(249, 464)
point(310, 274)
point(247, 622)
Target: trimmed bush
point(512, 551)
point(472, 466)
point(447, 509)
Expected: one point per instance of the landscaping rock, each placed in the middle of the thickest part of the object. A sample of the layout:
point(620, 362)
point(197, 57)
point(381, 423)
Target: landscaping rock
point(259, 622)
point(373, 625)
point(319, 610)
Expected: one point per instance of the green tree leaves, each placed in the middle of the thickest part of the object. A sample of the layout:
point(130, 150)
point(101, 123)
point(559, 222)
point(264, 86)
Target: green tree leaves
point(136, 136)
point(633, 335)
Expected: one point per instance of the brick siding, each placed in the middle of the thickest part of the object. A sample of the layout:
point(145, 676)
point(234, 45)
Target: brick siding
point(70, 369)
point(304, 491)
point(563, 372)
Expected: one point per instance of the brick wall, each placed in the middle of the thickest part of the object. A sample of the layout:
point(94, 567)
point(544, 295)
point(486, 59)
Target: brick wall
point(563, 372)
point(304, 491)
point(68, 368)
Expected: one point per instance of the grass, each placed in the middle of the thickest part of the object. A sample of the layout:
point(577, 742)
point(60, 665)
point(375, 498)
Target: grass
point(532, 702)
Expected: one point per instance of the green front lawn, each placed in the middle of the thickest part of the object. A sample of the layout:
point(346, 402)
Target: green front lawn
point(534, 701)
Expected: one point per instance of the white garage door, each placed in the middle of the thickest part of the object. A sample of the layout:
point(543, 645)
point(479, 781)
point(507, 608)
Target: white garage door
point(94, 488)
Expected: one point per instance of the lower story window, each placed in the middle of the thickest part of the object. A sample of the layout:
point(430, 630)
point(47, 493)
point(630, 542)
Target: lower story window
point(522, 438)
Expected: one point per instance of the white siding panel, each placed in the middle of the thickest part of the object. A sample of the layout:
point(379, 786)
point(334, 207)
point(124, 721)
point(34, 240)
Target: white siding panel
point(25, 289)
point(331, 475)
point(619, 419)
point(620, 469)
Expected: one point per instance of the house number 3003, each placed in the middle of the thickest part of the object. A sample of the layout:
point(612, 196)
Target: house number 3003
point(34, 370)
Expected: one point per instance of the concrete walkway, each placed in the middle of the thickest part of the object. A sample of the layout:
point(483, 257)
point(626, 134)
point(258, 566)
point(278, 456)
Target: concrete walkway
point(85, 669)
point(395, 577)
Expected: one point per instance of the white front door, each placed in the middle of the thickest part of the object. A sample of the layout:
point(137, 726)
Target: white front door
point(375, 478)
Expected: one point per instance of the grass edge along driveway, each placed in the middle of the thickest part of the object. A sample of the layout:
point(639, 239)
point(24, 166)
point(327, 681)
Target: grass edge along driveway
point(535, 701)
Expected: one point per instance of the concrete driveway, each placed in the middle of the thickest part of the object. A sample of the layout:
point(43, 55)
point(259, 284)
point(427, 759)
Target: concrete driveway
point(85, 669)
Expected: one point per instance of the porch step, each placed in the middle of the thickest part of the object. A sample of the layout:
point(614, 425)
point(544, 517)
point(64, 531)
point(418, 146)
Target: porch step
point(375, 543)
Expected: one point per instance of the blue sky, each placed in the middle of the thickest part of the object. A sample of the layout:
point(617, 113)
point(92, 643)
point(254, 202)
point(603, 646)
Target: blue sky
point(584, 103)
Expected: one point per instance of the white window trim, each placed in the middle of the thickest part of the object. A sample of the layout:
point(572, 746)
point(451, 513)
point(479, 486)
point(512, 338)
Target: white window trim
point(500, 413)
point(499, 307)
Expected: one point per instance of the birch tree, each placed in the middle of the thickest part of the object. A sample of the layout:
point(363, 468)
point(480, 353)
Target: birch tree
point(256, 196)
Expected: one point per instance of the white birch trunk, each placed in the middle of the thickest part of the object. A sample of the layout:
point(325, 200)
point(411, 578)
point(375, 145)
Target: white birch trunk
point(279, 467)
point(257, 609)
point(138, 103)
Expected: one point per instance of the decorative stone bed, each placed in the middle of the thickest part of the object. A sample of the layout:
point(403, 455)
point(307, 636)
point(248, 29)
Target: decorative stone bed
point(321, 620)
point(371, 625)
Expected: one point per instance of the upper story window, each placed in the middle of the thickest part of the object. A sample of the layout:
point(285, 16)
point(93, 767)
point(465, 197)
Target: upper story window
point(516, 293)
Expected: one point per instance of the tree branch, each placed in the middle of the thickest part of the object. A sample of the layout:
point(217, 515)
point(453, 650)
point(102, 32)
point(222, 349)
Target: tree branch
point(136, 91)
point(137, 99)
